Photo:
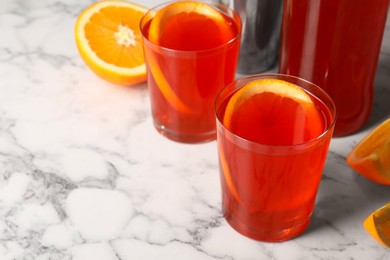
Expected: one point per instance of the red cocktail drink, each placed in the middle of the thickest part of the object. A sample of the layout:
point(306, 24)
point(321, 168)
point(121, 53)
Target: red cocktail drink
point(272, 150)
point(191, 50)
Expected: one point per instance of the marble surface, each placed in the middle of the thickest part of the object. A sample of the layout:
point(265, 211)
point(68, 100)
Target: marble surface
point(84, 175)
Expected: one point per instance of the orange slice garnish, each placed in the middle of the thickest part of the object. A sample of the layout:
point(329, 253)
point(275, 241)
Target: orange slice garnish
point(164, 86)
point(109, 41)
point(227, 174)
point(184, 26)
point(250, 104)
point(170, 17)
point(378, 225)
point(265, 107)
point(371, 157)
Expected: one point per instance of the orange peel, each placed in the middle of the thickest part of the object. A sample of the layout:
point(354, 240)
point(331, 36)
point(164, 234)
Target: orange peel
point(377, 224)
point(276, 86)
point(159, 20)
point(371, 156)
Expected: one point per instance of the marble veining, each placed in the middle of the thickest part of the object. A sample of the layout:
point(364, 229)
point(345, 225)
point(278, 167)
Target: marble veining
point(84, 175)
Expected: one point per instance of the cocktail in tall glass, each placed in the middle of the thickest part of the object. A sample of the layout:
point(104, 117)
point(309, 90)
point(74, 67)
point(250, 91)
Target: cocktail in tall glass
point(273, 134)
point(191, 50)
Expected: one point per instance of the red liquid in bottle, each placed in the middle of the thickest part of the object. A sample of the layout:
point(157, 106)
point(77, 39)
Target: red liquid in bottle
point(336, 44)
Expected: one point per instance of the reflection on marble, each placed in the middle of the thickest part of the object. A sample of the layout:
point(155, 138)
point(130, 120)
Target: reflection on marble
point(83, 174)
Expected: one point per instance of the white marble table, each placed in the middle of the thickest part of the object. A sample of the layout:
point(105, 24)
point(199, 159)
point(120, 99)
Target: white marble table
point(84, 175)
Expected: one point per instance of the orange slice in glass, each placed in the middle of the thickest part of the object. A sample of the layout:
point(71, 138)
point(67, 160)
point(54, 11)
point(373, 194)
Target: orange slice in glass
point(274, 112)
point(181, 26)
point(248, 107)
point(181, 18)
point(371, 157)
point(109, 41)
point(378, 225)
point(227, 175)
point(163, 84)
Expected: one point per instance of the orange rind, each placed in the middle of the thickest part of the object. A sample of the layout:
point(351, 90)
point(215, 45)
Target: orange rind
point(371, 156)
point(378, 225)
point(158, 24)
point(275, 86)
point(249, 108)
point(164, 86)
point(226, 173)
point(165, 20)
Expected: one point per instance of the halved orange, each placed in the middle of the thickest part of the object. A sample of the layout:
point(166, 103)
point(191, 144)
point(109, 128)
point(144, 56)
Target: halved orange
point(371, 157)
point(273, 111)
point(378, 225)
point(109, 40)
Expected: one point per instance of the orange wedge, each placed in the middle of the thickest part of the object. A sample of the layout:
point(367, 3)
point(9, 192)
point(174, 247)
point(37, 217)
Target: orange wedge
point(109, 41)
point(378, 225)
point(371, 157)
point(273, 102)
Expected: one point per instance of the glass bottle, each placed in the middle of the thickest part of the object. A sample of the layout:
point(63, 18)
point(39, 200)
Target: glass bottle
point(336, 45)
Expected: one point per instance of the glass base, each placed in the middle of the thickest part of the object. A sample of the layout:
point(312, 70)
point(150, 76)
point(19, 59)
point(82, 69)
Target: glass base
point(265, 235)
point(185, 138)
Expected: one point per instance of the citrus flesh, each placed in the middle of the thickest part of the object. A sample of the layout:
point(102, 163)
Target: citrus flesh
point(378, 225)
point(189, 26)
point(109, 41)
point(371, 156)
point(273, 112)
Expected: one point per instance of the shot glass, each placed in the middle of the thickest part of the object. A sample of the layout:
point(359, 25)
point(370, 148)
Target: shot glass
point(269, 191)
point(183, 83)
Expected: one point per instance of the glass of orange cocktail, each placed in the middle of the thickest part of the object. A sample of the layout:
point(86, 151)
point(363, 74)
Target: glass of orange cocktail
point(191, 51)
point(273, 134)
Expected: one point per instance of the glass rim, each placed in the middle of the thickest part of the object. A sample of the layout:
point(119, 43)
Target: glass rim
point(235, 16)
point(276, 75)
